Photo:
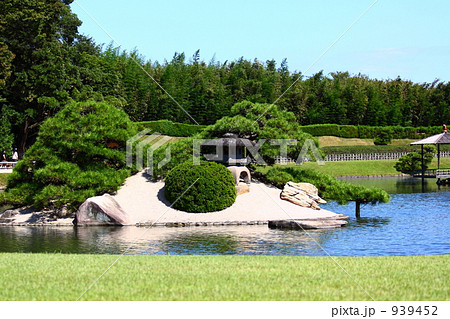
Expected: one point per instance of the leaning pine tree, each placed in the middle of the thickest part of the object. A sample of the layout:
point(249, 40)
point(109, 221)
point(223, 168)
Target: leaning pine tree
point(79, 153)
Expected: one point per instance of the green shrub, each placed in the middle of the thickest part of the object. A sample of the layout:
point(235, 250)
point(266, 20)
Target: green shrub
point(170, 128)
point(254, 121)
point(329, 187)
point(180, 152)
point(411, 162)
point(203, 188)
point(79, 153)
point(383, 138)
point(258, 121)
point(278, 177)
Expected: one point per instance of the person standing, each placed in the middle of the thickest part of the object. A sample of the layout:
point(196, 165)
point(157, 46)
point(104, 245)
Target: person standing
point(15, 156)
point(4, 159)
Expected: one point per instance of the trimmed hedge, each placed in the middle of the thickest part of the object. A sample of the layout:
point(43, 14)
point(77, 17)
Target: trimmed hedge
point(347, 131)
point(170, 128)
point(203, 188)
point(351, 131)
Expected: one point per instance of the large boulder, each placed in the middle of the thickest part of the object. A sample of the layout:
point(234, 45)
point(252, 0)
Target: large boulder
point(101, 210)
point(302, 194)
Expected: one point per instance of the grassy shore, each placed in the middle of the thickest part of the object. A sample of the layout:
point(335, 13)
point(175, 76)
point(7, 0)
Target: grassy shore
point(359, 168)
point(3, 179)
point(66, 277)
point(340, 141)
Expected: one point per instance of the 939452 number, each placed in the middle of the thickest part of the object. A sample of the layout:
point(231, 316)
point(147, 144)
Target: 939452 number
point(411, 310)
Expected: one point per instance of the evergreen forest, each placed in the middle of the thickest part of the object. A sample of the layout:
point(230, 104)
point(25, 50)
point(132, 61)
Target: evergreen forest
point(46, 64)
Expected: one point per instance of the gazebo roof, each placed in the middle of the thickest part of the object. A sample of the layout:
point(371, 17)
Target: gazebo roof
point(442, 138)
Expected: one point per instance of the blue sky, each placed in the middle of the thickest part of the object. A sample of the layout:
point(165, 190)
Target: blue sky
point(406, 38)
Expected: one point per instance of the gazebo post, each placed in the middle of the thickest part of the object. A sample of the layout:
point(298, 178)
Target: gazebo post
point(439, 161)
point(423, 165)
point(438, 139)
point(439, 155)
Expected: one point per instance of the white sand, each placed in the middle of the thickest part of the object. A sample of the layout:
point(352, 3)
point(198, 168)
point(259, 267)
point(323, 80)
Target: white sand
point(144, 201)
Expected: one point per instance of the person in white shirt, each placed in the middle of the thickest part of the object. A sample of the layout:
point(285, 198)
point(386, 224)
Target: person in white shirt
point(15, 156)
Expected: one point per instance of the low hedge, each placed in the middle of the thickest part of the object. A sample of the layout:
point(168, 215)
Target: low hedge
point(361, 131)
point(347, 131)
point(170, 128)
point(203, 188)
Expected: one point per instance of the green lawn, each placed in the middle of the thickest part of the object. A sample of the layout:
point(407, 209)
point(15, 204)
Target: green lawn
point(3, 179)
point(66, 277)
point(362, 168)
point(341, 141)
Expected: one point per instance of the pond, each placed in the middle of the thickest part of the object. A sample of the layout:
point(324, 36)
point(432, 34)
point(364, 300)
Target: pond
point(415, 222)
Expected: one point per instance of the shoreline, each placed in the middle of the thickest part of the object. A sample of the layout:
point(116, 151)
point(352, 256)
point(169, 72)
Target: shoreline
point(144, 202)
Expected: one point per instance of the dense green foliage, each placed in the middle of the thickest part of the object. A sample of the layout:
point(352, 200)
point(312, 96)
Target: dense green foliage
point(412, 161)
point(45, 63)
point(203, 188)
point(218, 277)
point(362, 131)
point(383, 138)
point(257, 122)
point(207, 91)
point(170, 128)
point(329, 187)
point(79, 153)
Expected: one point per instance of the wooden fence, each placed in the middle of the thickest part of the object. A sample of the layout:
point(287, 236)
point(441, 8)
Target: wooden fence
point(355, 157)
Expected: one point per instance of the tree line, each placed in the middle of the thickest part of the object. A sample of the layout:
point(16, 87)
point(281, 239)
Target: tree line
point(46, 63)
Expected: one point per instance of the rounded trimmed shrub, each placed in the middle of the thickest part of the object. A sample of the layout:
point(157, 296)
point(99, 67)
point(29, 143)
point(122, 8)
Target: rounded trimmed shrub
point(203, 188)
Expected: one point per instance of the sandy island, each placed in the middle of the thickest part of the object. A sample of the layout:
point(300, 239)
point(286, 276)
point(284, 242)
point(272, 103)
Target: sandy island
point(143, 200)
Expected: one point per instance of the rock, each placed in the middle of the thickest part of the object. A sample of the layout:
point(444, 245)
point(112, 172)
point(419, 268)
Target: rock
point(326, 223)
point(242, 188)
point(302, 194)
point(9, 213)
point(101, 210)
point(62, 212)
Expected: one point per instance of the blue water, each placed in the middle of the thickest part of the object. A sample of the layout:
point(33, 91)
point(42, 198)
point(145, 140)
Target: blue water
point(413, 223)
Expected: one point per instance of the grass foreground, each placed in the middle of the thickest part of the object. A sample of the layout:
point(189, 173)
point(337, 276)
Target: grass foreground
point(67, 277)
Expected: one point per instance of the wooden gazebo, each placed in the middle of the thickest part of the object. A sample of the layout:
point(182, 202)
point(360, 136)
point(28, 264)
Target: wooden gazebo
point(438, 140)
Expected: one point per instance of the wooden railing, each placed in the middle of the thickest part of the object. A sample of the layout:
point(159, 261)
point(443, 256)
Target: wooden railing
point(426, 173)
point(356, 157)
point(443, 173)
point(7, 165)
point(433, 173)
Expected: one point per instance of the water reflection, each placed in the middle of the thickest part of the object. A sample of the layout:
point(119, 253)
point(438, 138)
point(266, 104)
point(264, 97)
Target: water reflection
point(369, 222)
point(411, 224)
point(226, 240)
point(401, 185)
point(211, 244)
